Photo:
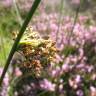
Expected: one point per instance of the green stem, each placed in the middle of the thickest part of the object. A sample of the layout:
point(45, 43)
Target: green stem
point(2, 44)
point(17, 12)
point(60, 18)
point(75, 21)
point(23, 28)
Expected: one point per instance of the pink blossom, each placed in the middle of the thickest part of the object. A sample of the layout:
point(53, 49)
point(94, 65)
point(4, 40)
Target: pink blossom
point(47, 85)
point(78, 79)
point(75, 1)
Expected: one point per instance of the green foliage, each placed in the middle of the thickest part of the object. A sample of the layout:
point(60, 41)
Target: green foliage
point(5, 45)
point(9, 22)
point(68, 50)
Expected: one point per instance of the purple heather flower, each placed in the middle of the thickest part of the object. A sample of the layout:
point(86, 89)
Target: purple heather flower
point(53, 27)
point(65, 68)
point(92, 88)
point(75, 1)
point(80, 66)
point(83, 19)
point(6, 3)
point(78, 79)
point(90, 68)
point(47, 85)
point(79, 93)
point(93, 91)
point(58, 59)
point(56, 72)
point(6, 79)
point(3, 91)
point(18, 72)
point(73, 84)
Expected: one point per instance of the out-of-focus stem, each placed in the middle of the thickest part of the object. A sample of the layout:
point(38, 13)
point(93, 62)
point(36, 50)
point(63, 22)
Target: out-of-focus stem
point(60, 18)
point(17, 12)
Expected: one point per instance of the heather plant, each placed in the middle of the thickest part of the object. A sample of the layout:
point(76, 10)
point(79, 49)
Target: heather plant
point(37, 52)
point(4, 90)
point(74, 66)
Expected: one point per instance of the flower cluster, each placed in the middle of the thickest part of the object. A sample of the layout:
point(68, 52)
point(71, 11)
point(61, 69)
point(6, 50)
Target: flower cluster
point(38, 52)
point(5, 84)
point(75, 67)
point(78, 58)
point(6, 3)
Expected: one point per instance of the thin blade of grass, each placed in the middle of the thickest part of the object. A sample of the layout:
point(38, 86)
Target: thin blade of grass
point(60, 18)
point(3, 46)
point(75, 21)
point(17, 12)
point(23, 28)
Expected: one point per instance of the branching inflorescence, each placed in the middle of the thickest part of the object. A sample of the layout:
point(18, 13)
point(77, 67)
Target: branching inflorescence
point(38, 52)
